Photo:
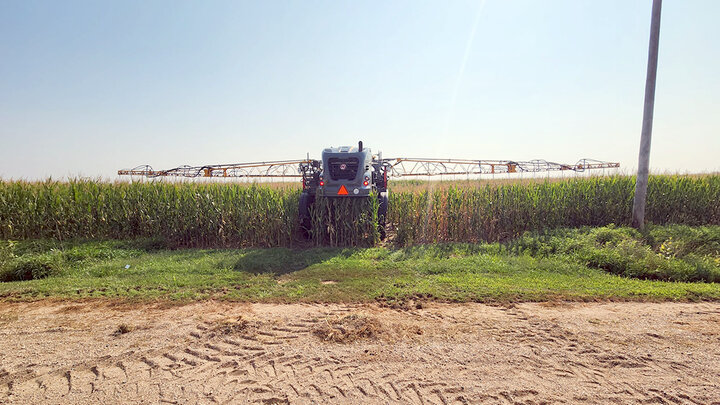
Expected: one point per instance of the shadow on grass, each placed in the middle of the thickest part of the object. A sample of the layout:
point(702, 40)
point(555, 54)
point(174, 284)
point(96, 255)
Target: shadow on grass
point(281, 261)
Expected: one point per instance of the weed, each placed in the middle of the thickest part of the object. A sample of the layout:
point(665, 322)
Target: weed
point(31, 268)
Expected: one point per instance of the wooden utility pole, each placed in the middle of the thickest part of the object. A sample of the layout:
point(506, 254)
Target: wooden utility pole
point(641, 183)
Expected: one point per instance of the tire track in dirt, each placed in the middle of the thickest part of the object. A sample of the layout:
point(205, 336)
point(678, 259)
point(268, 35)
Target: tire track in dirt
point(592, 367)
point(466, 355)
point(243, 367)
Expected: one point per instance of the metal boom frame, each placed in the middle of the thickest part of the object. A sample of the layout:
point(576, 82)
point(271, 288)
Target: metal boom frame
point(276, 168)
point(401, 167)
point(396, 167)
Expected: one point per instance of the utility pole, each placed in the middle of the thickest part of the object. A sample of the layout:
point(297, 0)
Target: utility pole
point(641, 183)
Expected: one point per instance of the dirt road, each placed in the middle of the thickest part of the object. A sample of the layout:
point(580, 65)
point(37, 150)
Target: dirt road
point(430, 354)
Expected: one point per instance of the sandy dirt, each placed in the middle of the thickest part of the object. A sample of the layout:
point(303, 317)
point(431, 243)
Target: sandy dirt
point(214, 352)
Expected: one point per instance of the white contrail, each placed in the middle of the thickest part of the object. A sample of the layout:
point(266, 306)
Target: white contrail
point(468, 46)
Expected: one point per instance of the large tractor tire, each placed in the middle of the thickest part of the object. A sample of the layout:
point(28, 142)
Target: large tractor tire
point(305, 221)
point(383, 201)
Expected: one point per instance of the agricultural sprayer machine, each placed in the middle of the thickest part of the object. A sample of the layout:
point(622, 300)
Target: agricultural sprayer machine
point(354, 172)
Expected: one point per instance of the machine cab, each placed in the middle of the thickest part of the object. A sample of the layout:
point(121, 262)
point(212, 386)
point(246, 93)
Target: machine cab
point(346, 172)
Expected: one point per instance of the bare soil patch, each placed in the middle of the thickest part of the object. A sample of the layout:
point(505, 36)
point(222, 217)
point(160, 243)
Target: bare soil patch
point(210, 352)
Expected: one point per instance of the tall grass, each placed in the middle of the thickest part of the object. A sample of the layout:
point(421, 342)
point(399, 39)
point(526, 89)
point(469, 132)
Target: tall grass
point(235, 215)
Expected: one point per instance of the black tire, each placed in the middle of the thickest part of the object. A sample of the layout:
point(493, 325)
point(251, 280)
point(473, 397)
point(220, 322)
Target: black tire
point(383, 202)
point(305, 222)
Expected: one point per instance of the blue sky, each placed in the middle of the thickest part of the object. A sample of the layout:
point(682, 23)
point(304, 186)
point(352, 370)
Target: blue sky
point(89, 87)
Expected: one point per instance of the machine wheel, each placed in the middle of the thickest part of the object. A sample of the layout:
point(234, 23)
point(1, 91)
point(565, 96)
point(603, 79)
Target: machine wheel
point(383, 201)
point(305, 222)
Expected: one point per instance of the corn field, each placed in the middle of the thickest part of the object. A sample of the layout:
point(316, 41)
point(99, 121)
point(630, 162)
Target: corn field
point(237, 215)
point(494, 213)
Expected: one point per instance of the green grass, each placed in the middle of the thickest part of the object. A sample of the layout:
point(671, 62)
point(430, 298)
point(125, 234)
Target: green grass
point(550, 266)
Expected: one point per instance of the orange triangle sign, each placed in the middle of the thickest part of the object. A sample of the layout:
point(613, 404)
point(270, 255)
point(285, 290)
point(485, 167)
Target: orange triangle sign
point(342, 191)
